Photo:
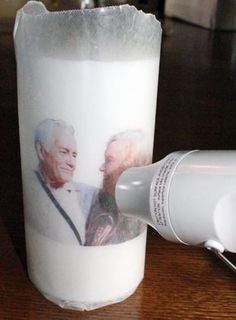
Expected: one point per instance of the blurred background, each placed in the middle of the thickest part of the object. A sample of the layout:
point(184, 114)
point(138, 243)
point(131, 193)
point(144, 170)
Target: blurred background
point(212, 14)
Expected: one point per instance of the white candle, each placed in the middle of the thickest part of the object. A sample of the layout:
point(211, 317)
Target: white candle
point(63, 75)
point(99, 99)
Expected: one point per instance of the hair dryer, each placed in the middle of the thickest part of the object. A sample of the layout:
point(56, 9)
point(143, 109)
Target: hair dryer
point(188, 197)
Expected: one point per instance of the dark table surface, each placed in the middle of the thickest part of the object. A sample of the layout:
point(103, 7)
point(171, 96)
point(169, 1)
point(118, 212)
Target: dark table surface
point(196, 109)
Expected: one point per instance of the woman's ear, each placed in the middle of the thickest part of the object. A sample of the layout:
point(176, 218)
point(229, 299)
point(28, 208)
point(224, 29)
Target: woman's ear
point(40, 151)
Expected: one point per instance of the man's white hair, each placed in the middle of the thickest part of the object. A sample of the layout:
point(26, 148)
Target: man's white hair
point(45, 129)
point(140, 150)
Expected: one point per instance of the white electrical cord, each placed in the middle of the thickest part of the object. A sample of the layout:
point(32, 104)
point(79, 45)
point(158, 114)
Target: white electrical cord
point(223, 258)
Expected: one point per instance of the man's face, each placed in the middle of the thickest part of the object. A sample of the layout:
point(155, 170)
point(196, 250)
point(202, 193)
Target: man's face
point(59, 162)
point(117, 159)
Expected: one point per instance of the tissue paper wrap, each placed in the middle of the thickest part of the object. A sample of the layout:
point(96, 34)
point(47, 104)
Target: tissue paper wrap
point(106, 34)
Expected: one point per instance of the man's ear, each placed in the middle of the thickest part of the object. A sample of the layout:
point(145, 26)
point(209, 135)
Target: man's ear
point(40, 151)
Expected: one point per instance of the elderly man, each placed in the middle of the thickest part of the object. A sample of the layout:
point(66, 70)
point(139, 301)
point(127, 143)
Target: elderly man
point(67, 203)
point(105, 224)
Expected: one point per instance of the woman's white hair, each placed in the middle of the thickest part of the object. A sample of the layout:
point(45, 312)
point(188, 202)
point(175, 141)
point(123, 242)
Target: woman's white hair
point(45, 129)
point(140, 150)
